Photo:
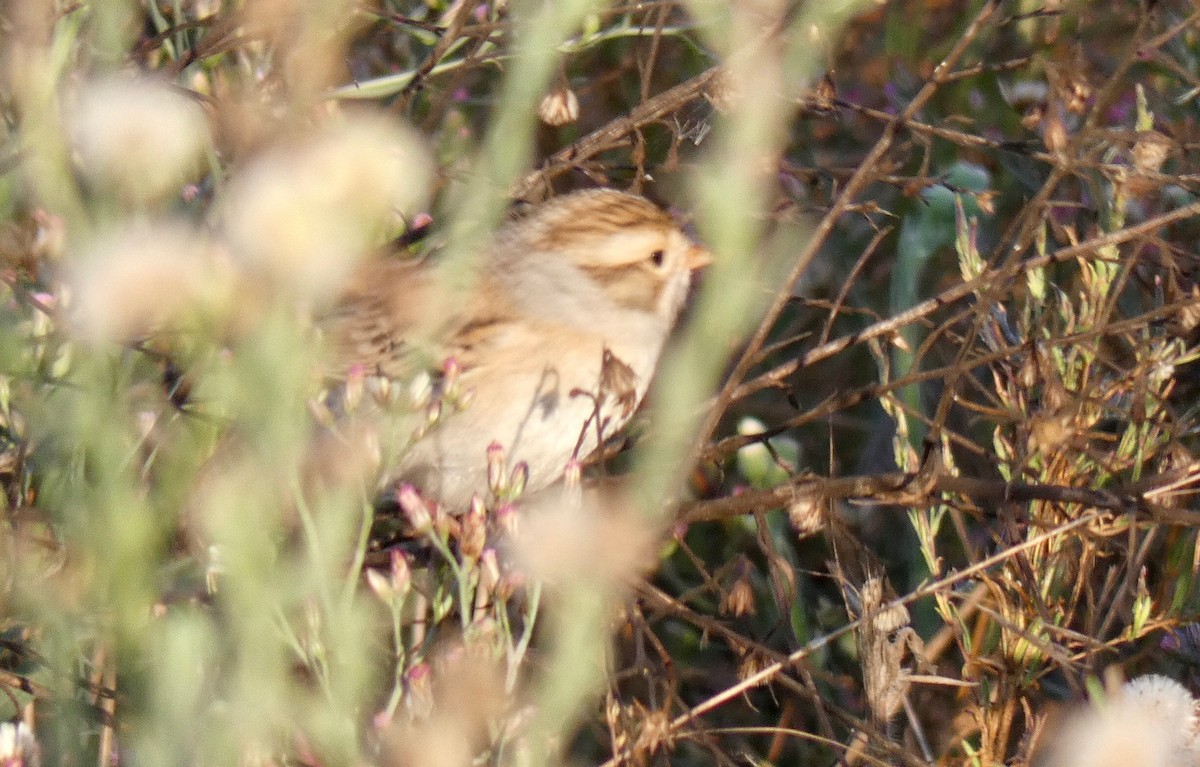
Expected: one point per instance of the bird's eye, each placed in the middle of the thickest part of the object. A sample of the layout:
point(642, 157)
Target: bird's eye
point(658, 258)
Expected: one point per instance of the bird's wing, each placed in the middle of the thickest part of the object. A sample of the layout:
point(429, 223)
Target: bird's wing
point(371, 326)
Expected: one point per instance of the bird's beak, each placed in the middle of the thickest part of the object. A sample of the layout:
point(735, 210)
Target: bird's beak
point(698, 257)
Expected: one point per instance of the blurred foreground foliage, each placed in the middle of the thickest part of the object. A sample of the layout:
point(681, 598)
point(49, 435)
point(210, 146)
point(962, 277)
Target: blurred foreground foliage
point(918, 470)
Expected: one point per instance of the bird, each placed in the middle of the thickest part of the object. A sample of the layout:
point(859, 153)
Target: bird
point(553, 346)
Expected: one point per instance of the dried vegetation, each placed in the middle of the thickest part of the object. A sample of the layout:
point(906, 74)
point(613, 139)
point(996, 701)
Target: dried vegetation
point(919, 474)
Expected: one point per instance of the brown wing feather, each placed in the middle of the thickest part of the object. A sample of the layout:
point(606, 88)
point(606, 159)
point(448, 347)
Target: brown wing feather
point(387, 302)
point(374, 318)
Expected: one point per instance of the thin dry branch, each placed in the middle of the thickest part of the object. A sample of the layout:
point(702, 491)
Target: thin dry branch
point(892, 325)
point(942, 585)
point(614, 131)
point(910, 490)
point(866, 173)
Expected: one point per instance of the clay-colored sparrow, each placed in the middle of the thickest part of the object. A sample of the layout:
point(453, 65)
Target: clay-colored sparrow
point(555, 344)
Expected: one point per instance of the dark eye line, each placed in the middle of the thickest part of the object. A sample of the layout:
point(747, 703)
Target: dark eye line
point(658, 257)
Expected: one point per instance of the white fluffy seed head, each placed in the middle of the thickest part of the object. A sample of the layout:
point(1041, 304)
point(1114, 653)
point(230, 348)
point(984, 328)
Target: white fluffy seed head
point(127, 283)
point(1150, 722)
point(304, 215)
point(136, 136)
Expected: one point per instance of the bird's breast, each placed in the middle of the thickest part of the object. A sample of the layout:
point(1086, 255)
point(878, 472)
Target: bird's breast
point(545, 399)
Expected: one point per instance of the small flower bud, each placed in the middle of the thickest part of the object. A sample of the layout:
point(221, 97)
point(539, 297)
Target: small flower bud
point(573, 474)
point(750, 664)
point(1054, 131)
point(382, 587)
point(416, 511)
point(476, 506)
point(559, 107)
point(450, 371)
point(445, 525)
point(401, 572)
point(1150, 151)
point(496, 460)
point(506, 518)
point(434, 413)
point(381, 389)
point(518, 480)
point(1078, 92)
point(740, 599)
point(420, 390)
point(807, 515)
point(474, 530)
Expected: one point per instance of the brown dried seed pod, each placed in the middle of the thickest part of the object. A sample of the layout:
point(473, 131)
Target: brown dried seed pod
point(559, 107)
